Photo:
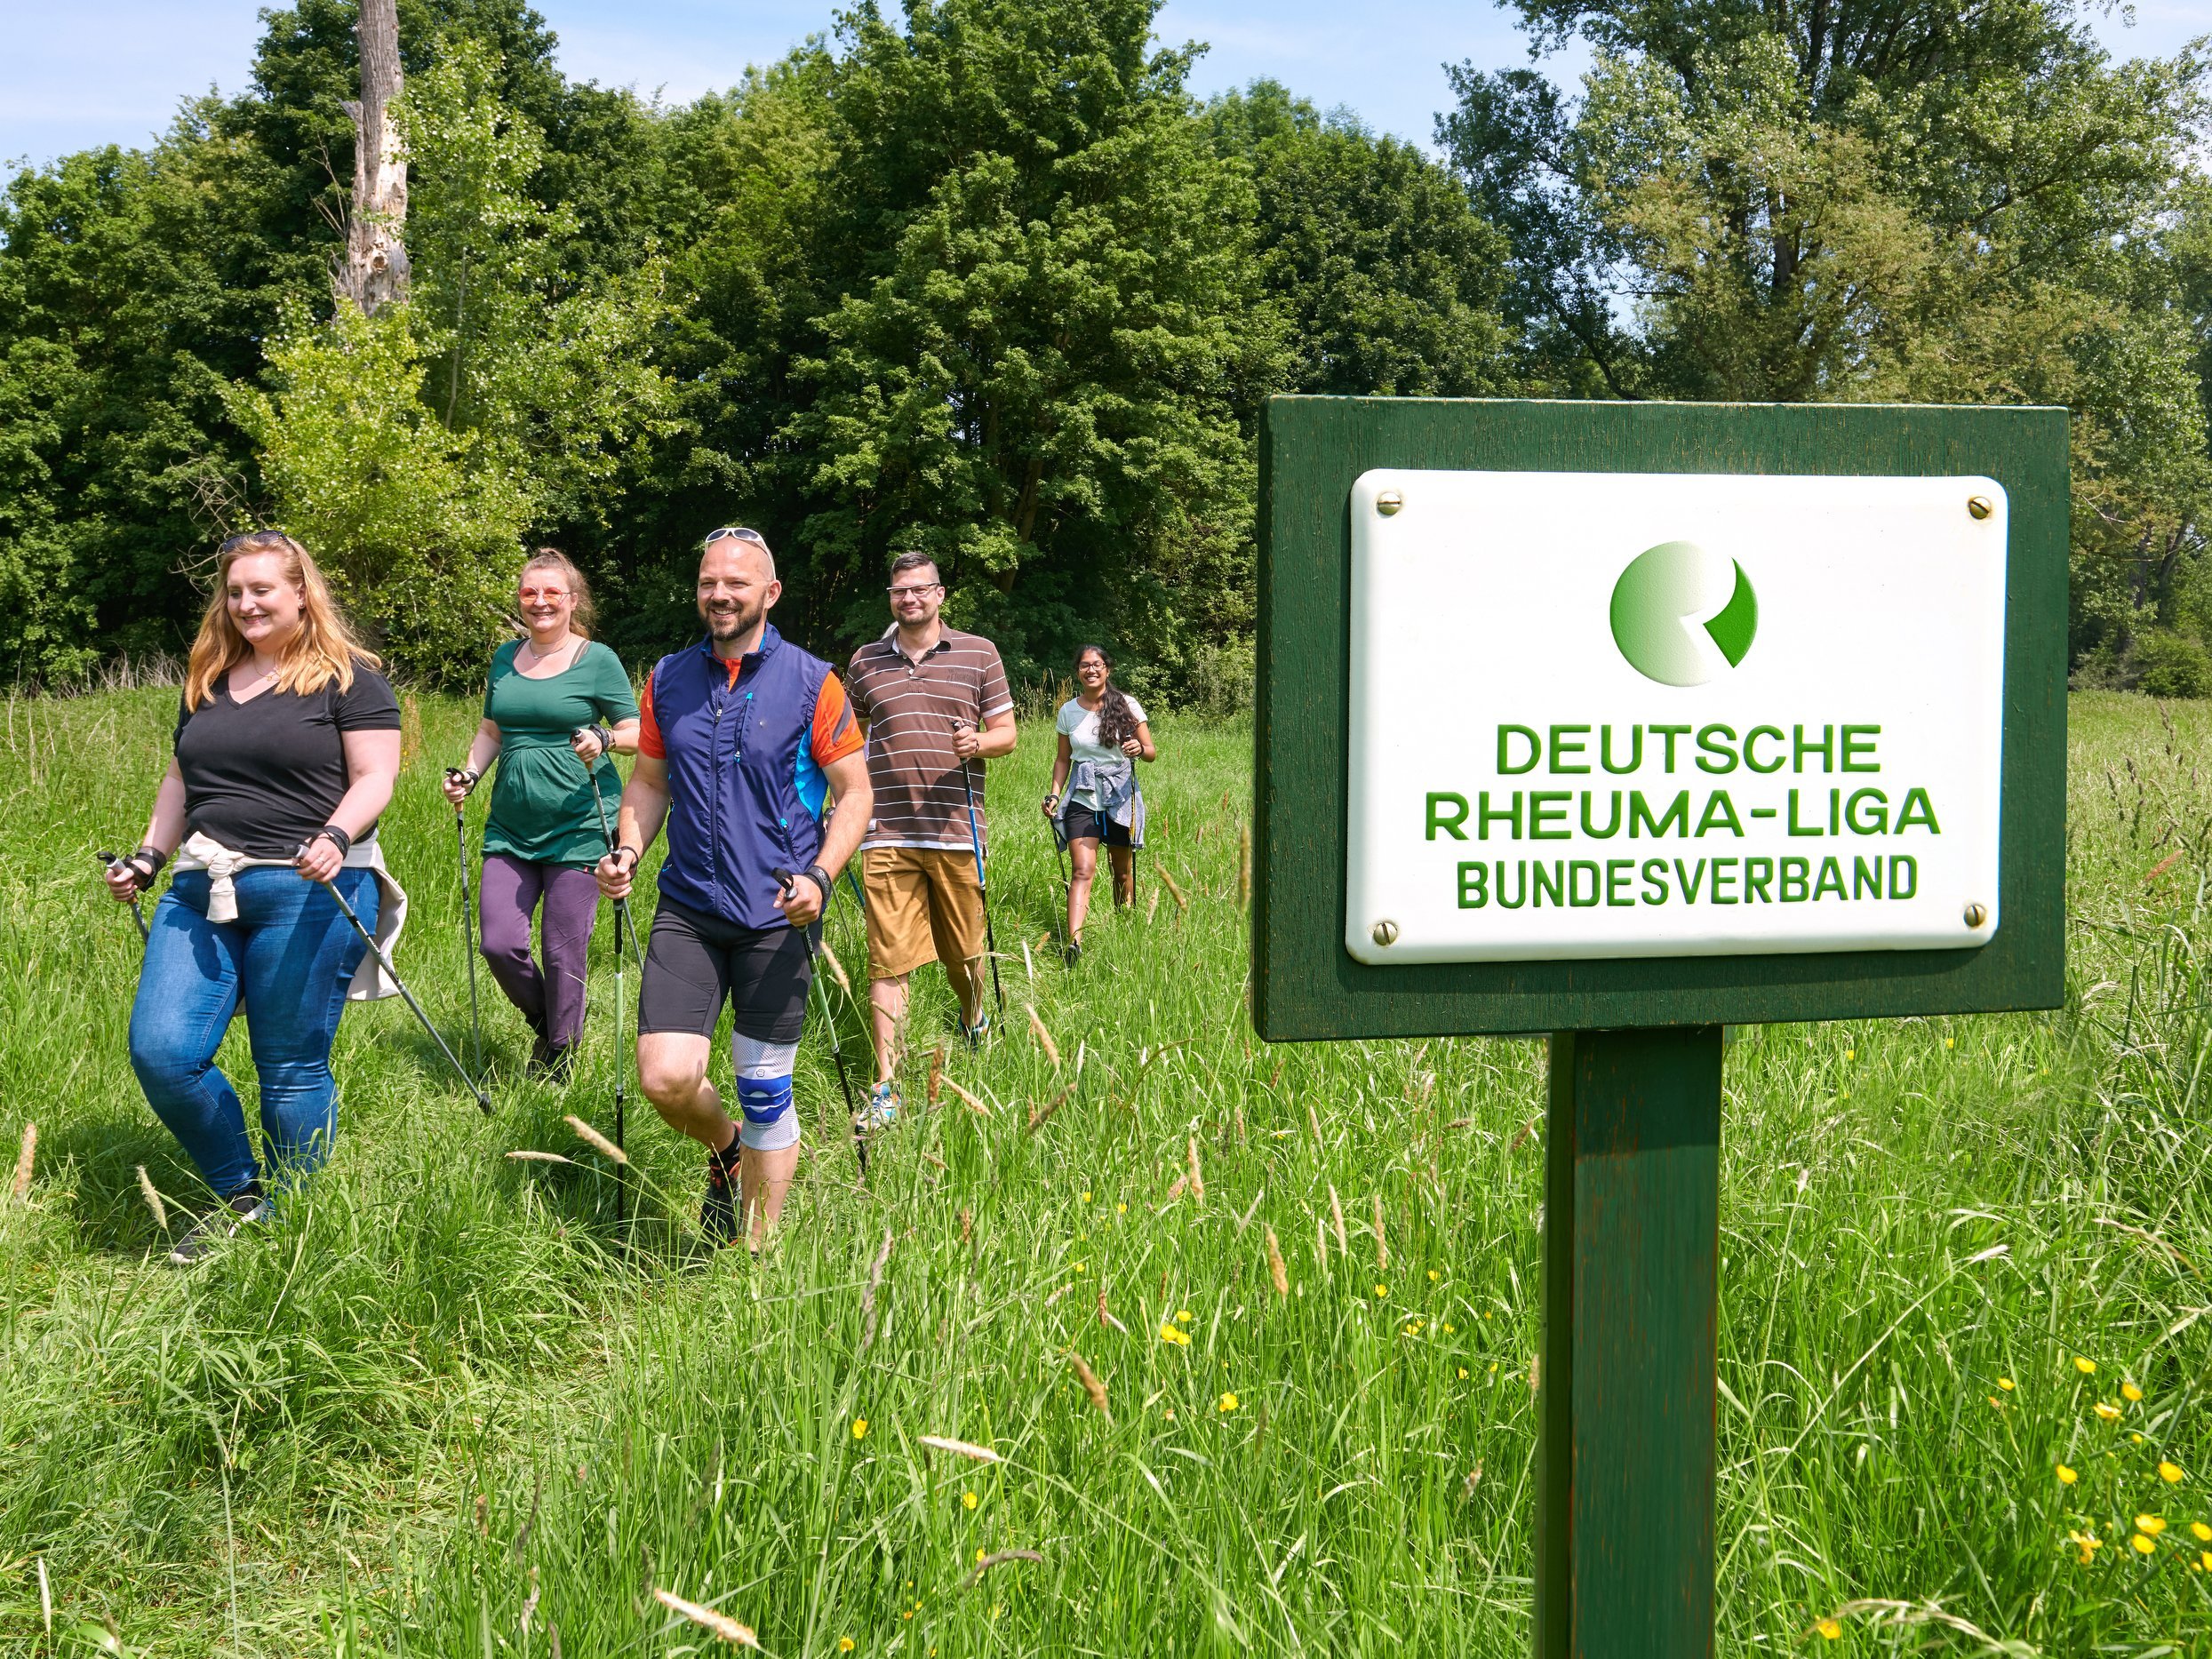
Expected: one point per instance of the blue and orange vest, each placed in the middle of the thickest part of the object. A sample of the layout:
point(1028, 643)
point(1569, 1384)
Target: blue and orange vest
point(745, 745)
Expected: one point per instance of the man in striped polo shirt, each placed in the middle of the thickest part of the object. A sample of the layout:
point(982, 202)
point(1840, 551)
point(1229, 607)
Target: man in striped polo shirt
point(936, 705)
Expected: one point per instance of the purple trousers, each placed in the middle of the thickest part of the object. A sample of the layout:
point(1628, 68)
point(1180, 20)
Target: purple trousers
point(551, 1000)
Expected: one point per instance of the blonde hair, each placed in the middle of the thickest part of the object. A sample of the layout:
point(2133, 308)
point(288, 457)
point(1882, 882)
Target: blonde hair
point(323, 649)
point(585, 614)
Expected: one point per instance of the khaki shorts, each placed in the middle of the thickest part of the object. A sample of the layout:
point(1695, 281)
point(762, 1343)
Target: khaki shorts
point(925, 904)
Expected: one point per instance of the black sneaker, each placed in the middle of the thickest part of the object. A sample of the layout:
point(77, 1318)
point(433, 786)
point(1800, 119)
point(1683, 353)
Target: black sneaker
point(1072, 953)
point(541, 1058)
point(217, 1227)
point(718, 1215)
point(558, 1065)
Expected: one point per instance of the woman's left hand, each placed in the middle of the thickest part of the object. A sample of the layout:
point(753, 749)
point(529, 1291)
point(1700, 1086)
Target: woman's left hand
point(588, 746)
point(1134, 749)
point(319, 860)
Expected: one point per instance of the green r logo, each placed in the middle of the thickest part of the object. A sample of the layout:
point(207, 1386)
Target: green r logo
point(1677, 607)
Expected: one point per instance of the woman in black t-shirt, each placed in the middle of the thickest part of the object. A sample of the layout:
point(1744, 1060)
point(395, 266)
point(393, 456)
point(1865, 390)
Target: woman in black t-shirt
point(287, 744)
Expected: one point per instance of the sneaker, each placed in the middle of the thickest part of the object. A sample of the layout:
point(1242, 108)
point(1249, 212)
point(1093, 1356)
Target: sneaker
point(883, 1108)
point(217, 1226)
point(977, 1032)
point(558, 1065)
point(718, 1215)
point(1072, 953)
point(541, 1057)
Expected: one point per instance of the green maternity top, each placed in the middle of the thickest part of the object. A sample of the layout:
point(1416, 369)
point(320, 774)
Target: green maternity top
point(542, 805)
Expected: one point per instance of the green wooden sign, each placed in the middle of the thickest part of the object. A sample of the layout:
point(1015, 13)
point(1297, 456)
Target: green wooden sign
point(1343, 479)
point(1625, 721)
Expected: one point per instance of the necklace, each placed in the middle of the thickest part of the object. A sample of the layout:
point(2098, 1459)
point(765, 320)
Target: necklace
point(538, 658)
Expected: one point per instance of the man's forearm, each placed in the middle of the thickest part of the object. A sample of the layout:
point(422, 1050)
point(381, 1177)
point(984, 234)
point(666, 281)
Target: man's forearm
point(847, 825)
point(644, 809)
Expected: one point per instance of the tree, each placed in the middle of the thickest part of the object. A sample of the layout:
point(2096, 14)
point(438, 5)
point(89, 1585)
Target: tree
point(376, 269)
point(1050, 325)
point(1385, 278)
point(1901, 202)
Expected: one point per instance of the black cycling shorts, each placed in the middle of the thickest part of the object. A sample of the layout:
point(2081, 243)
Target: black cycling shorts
point(694, 962)
point(1083, 824)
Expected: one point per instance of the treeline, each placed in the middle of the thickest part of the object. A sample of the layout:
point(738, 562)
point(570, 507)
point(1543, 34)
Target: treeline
point(984, 278)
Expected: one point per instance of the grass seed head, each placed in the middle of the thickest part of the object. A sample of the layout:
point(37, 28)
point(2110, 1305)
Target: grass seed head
point(960, 1449)
point(1043, 1114)
point(153, 1199)
point(1382, 1250)
point(1276, 1271)
point(1198, 1174)
point(23, 1162)
point(593, 1139)
point(720, 1623)
point(1336, 1215)
point(936, 1073)
point(1092, 1386)
point(1044, 1038)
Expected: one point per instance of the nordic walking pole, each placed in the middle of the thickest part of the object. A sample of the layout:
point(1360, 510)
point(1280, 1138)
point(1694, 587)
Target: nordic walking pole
point(789, 883)
point(621, 923)
point(983, 881)
point(468, 934)
point(137, 915)
point(385, 963)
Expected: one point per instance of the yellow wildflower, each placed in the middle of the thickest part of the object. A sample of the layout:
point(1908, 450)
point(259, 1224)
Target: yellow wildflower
point(1228, 1403)
point(2150, 1524)
point(1996, 1402)
point(2085, 1365)
point(1080, 1266)
point(1850, 1054)
point(1433, 1275)
point(845, 1644)
point(2005, 1383)
point(1381, 1291)
point(2202, 1533)
point(2108, 1411)
point(2132, 1393)
point(1950, 1043)
point(2169, 1472)
point(2066, 1477)
point(1120, 1209)
point(1463, 1372)
point(1086, 1195)
point(969, 1500)
point(1830, 1629)
point(2143, 1546)
point(2204, 1560)
point(2088, 1542)
point(1183, 1318)
point(859, 1428)
point(1450, 1327)
point(1169, 1333)
point(981, 1552)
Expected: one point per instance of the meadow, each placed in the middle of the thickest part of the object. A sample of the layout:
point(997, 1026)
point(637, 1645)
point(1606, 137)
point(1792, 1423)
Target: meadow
point(449, 1408)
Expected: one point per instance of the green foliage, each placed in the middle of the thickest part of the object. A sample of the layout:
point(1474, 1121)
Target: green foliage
point(1921, 206)
point(2173, 664)
point(415, 451)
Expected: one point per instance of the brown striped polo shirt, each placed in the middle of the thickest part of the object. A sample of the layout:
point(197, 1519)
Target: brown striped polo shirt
point(910, 707)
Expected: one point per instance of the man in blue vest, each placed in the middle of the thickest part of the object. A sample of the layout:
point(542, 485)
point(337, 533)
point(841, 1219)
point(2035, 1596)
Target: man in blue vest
point(739, 738)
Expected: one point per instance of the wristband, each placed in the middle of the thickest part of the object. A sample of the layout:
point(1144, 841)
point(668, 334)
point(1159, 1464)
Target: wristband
point(605, 734)
point(637, 857)
point(154, 859)
point(337, 837)
point(815, 874)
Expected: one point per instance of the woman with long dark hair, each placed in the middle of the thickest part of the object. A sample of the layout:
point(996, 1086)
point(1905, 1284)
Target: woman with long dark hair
point(287, 746)
point(1094, 797)
point(555, 705)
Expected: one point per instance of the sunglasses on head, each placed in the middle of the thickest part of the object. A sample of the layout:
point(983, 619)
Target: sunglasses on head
point(264, 537)
point(736, 533)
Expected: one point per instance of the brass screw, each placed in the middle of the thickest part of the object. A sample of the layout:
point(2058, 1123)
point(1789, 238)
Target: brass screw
point(1976, 914)
point(1385, 933)
point(1387, 504)
point(1978, 506)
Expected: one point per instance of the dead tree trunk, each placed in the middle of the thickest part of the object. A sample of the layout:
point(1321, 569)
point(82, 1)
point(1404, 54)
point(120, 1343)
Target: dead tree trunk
point(376, 262)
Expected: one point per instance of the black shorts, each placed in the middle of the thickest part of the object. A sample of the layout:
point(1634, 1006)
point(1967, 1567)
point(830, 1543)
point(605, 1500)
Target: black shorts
point(694, 962)
point(1083, 824)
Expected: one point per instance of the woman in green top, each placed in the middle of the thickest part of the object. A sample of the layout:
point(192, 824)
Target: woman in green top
point(557, 702)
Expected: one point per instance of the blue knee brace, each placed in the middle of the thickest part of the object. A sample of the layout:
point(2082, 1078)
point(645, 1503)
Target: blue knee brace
point(764, 1070)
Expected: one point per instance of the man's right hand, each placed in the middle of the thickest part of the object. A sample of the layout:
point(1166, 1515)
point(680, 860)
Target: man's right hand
point(613, 873)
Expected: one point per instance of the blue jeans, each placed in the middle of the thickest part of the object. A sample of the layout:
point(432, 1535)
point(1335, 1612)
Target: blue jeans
point(289, 957)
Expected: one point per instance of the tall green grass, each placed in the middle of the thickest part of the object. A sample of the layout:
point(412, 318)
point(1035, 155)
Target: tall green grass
point(448, 1390)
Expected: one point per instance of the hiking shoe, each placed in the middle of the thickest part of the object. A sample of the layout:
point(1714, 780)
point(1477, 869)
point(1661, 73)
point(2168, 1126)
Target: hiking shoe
point(883, 1108)
point(977, 1032)
point(718, 1215)
point(558, 1064)
point(1072, 953)
point(541, 1057)
point(217, 1227)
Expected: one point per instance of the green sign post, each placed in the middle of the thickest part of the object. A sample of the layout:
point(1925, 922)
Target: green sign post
point(1623, 722)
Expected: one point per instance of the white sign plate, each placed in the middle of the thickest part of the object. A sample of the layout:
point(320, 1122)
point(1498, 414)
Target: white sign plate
point(1601, 714)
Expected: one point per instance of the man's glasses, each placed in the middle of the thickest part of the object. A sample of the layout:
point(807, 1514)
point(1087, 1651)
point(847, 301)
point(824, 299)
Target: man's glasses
point(736, 533)
point(916, 592)
point(531, 595)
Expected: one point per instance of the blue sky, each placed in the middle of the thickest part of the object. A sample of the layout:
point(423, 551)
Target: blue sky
point(75, 75)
